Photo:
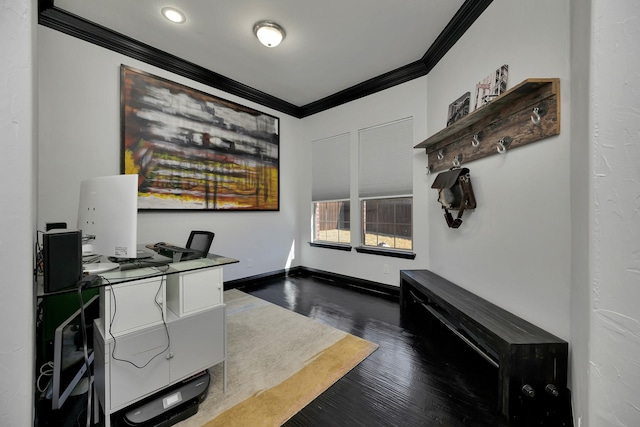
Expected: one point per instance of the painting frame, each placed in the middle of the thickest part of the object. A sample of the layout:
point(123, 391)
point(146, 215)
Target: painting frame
point(195, 151)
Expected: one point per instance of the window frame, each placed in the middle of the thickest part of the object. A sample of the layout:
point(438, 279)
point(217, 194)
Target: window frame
point(331, 244)
point(386, 251)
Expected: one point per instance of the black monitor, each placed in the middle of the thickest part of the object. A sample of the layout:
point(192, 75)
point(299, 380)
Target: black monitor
point(69, 364)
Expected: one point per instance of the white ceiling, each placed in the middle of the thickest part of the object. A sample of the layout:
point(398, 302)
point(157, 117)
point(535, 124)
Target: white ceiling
point(330, 45)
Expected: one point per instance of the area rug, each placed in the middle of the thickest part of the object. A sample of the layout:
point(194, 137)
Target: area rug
point(277, 362)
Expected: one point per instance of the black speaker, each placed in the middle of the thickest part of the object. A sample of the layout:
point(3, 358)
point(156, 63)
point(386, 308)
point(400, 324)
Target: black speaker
point(62, 259)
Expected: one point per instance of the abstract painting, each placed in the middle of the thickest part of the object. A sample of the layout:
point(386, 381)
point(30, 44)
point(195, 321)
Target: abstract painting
point(194, 151)
point(492, 86)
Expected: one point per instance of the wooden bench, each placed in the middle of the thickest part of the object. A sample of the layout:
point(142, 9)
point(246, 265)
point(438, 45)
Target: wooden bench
point(531, 363)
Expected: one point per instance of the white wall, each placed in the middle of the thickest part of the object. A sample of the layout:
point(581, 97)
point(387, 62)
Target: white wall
point(515, 248)
point(407, 100)
point(614, 381)
point(17, 210)
point(80, 137)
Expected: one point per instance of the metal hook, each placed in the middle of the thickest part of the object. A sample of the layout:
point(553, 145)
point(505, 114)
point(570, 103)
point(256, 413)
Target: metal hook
point(501, 148)
point(440, 155)
point(456, 160)
point(429, 170)
point(535, 117)
point(476, 141)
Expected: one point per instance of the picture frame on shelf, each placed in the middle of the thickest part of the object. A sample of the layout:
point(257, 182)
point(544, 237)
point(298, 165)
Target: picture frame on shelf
point(491, 86)
point(458, 108)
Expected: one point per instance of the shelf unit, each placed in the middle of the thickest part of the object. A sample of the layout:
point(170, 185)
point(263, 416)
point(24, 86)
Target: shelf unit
point(526, 113)
point(165, 330)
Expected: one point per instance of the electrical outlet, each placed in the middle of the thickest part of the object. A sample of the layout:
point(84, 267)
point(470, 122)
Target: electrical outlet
point(249, 263)
point(385, 267)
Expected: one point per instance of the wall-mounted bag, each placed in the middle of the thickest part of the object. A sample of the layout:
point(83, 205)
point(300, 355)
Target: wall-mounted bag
point(455, 193)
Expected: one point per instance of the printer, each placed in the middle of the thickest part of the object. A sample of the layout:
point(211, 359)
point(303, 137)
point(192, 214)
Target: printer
point(168, 406)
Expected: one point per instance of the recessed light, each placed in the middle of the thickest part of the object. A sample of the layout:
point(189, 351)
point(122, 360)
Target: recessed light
point(173, 15)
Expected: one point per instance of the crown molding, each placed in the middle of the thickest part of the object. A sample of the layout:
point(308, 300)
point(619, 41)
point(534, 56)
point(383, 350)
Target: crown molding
point(459, 24)
point(400, 75)
point(55, 18)
point(83, 29)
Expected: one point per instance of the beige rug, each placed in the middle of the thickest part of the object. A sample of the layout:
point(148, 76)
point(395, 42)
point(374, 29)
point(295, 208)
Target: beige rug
point(277, 362)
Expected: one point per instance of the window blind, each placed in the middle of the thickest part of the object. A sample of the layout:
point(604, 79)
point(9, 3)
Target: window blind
point(330, 168)
point(386, 160)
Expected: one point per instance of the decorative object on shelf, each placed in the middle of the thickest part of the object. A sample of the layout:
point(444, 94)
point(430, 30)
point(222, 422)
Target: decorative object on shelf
point(455, 193)
point(194, 151)
point(526, 113)
point(492, 86)
point(458, 108)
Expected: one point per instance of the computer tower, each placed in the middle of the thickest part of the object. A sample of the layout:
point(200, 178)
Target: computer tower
point(62, 259)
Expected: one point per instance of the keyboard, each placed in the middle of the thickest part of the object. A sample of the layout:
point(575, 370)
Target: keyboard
point(132, 265)
point(172, 249)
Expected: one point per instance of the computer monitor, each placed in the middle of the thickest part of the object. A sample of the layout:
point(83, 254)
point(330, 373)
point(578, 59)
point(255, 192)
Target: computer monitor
point(108, 215)
point(69, 364)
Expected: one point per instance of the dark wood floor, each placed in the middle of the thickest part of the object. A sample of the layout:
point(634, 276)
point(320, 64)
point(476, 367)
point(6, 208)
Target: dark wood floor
point(421, 375)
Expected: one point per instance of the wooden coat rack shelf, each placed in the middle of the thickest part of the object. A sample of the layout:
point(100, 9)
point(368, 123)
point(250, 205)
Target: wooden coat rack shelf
point(524, 114)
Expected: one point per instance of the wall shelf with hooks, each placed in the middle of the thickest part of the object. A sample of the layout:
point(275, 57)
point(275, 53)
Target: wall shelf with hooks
point(524, 114)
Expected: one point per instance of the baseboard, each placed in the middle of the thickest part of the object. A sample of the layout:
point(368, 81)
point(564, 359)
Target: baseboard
point(361, 285)
point(260, 279)
point(368, 286)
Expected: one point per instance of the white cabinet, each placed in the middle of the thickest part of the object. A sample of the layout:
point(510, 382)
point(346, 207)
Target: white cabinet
point(197, 343)
point(135, 365)
point(132, 306)
point(194, 291)
point(142, 348)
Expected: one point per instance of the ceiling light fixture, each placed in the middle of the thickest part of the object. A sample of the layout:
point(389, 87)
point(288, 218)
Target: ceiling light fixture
point(173, 15)
point(269, 33)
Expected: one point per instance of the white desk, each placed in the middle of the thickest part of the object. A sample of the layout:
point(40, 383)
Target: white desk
point(157, 326)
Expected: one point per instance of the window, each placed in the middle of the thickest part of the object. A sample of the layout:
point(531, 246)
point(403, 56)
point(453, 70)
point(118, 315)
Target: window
point(387, 223)
point(385, 186)
point(330, 190)
point(331, 222)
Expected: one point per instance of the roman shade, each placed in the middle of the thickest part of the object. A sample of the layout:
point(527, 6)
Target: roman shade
point(330, 168)
point(386, 159)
